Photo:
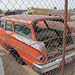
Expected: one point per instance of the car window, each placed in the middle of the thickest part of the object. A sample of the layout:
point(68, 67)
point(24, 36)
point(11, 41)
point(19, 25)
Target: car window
point(41, 24)
point(2, 24)
point(52, 33)
point(23, 30)
point(55, 25)
point(8, 26)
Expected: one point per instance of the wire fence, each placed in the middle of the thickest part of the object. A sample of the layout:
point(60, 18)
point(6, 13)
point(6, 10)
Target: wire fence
point(37, 37)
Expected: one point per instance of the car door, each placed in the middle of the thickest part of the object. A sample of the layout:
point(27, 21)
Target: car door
point(7, 34)
point(2, 22)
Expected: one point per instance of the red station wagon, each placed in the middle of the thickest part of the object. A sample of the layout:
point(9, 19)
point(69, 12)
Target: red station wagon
point(37, 40)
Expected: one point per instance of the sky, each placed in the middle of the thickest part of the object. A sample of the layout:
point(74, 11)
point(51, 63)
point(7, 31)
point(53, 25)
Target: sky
point(24, 4)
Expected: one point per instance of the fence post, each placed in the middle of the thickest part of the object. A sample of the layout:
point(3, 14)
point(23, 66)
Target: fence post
point(64, 36)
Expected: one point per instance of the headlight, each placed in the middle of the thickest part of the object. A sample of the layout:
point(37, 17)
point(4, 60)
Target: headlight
point(41, 59)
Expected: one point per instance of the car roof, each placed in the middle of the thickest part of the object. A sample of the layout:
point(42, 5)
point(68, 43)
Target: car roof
point(30, 18)
point(61, 13)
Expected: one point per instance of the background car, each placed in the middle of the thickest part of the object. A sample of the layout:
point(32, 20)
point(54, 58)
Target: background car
point(60, 13)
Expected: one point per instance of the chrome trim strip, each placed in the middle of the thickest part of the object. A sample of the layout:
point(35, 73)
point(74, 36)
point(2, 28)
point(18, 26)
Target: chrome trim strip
point(18, 48)
point(48, 65)
point(31, 43)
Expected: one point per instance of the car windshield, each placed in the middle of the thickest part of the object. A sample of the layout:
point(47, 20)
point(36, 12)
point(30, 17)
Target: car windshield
point(47, 29)
point(51, 32)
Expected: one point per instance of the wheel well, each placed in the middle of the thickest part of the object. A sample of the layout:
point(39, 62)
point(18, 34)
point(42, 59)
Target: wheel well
point(16, 55)
point(13, 51)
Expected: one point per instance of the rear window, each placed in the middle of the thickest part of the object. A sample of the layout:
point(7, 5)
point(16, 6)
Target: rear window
point(48, 29)
point(23, 30)
point(51, 24)
point(52, 31)
point(41, 24)
point(55, 25)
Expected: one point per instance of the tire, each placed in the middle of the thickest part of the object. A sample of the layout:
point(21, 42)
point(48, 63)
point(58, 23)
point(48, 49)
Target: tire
point(17, 56)
point(13, 52)
point(19, 60)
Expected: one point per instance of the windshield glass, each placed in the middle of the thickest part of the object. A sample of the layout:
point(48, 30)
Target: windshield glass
point(47, 29)
point(51, 32)
point(55, 25)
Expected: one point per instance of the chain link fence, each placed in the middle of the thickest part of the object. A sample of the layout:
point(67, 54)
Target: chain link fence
point(32, 34)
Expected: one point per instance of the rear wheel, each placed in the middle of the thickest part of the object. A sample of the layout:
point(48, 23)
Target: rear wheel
point(17, 57)
point(19, 60)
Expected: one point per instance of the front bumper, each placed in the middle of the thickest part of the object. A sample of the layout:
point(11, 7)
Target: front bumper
point(55, 64)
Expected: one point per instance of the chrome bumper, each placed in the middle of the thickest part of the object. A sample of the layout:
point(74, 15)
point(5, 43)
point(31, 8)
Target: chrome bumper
point(53, 65)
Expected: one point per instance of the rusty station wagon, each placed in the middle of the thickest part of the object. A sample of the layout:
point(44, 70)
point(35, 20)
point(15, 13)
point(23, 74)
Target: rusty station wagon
point(37, 40)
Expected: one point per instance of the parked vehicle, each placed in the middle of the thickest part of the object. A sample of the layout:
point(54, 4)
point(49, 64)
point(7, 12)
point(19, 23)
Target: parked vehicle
point(38, 11)
point(60, 13)
point(70, 18)
point(37, 40)
point(15, 12)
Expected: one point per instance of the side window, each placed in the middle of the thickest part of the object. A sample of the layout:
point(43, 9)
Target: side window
point(8, 26)
point(2, 24)
point(23, 30)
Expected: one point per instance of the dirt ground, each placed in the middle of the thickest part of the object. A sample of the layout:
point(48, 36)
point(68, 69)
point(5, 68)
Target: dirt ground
point(11, 67)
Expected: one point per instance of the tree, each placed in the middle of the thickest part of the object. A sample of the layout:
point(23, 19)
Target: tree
point(55, 7)
point(8, 10)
